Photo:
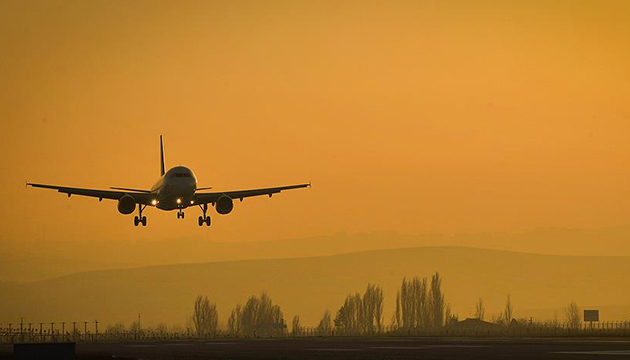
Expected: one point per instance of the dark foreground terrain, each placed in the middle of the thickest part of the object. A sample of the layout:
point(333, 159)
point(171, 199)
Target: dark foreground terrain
point(377, 348)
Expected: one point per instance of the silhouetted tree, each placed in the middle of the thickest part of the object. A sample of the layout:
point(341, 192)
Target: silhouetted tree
point(361, 314)
point(508, 312)
point(413, 304)
point(296, 329)
point(116, 329)
point(572, 313)
point(258, 317)
point(234, 321)
point(447, 314)
point(396, 318)
point(350, 316)
point(436, 301)
point(372, 308)
point(480, 310)
point(325, 324)
point(205, 317)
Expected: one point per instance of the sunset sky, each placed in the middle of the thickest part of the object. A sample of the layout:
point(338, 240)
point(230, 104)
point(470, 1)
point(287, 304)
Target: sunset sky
point(407, 116)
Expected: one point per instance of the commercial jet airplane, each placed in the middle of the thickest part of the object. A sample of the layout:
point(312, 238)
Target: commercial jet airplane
point(175, 190)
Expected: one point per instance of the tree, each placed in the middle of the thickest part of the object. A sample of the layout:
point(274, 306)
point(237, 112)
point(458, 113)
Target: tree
point(205, 317)
point(396, 319)
point(436, 301)
point(116, 329)
point(480, 310)
point(372, 309)
point(361, 314)
point(296, 329)
point(508, 312)
point(259, 317)
point(573, 315)
point(350, 315)
point(325, 324)
point(234, 321)
point(413, 304)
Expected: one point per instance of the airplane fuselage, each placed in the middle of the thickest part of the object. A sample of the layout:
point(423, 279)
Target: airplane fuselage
point(175, 189)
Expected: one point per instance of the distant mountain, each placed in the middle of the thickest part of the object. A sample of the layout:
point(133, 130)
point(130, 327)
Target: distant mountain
point(308, 286)
point(36, 260)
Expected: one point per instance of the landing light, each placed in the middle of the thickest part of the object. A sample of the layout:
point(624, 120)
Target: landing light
point(191, 202)
point(179, 201)
point(154, 202)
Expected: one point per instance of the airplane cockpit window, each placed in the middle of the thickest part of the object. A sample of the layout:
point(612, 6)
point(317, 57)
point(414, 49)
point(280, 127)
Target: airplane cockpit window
point(181, 175)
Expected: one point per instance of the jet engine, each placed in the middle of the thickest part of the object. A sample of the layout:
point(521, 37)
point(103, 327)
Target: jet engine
point(224, 205)
point(126, 204)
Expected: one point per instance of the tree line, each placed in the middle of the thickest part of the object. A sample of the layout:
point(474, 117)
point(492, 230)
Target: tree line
point(420, 305)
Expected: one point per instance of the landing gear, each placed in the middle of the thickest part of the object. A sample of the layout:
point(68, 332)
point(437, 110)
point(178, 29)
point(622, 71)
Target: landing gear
point(204, 218)
point(180, 214)
point(140, 219)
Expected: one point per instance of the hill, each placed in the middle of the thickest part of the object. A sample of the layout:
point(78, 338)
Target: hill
point(30, 260)
point(308, 286)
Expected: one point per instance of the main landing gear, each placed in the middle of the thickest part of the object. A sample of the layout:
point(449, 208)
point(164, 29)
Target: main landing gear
point(204, 218)
point(140, 219)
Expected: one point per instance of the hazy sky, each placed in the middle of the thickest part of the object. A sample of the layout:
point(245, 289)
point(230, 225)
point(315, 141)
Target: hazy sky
point(419, 116)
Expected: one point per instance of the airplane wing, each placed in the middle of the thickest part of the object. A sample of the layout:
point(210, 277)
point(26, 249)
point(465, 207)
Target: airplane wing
point(204, 198)
point(140, 197)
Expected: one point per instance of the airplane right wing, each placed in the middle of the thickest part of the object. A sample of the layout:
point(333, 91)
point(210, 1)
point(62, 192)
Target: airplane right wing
point(205, 198)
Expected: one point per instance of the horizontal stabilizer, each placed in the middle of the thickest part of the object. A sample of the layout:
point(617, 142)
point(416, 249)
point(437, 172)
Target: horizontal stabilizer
point(128, 189)
point(205, 188)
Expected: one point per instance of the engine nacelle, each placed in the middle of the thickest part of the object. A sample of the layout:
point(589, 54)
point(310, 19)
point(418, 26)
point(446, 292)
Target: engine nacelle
point(126, 204)
point(224, 205)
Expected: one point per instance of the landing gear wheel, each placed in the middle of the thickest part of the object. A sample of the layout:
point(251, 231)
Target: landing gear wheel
point(140, 219)
point(204, 218)
point(183, 213)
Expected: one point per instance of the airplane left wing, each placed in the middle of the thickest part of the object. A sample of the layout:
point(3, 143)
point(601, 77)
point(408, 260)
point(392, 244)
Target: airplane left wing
point(141, 198)
point(205, 198)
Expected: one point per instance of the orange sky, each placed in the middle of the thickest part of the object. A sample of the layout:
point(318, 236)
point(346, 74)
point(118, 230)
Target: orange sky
point(419, 116)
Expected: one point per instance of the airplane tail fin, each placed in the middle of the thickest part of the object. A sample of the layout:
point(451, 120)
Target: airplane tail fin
point(161, 156)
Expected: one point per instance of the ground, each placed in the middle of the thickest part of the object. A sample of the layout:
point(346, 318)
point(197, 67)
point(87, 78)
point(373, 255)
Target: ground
point(348, 348)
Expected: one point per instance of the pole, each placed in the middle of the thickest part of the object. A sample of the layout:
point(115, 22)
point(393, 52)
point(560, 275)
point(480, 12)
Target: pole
point(41, 332)
point(63, 330)
point(96, 329)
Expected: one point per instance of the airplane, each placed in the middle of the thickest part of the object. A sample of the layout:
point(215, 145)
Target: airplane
point(175, 190)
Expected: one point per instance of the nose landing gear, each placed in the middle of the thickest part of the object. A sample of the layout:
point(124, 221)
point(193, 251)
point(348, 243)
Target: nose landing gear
point(204, 218)
point(140, 219)
point(180, 214)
